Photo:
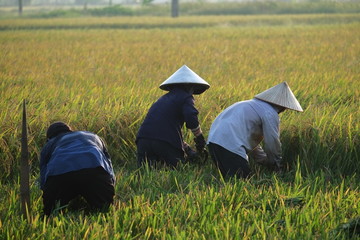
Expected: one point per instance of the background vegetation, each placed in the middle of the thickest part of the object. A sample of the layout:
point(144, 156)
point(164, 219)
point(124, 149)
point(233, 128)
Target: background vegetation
point(102, 78)
point(191, 8)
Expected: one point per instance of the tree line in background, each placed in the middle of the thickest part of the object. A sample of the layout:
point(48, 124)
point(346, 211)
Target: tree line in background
point(60, 2)
point(188, 7)
point(110, 2)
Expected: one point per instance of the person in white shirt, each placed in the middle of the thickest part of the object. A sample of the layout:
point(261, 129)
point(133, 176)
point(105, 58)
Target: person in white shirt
point(238, 131)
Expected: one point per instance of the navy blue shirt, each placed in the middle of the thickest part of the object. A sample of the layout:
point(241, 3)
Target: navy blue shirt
point(167, 116)
point(73, 151)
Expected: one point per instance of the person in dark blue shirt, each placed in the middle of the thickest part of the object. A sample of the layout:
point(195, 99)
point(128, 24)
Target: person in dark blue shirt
point(159, 139)
point(72, 164)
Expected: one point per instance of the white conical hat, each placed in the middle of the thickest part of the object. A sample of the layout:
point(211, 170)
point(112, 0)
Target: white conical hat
point(185, 75)
point(281, 95)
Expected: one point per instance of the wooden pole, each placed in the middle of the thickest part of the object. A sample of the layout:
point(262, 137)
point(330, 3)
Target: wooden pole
point(20, 7)
point(24, 167)
point(174, 8)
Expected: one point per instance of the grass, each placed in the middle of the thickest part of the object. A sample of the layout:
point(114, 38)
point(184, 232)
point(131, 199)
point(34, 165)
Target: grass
point(187, 9)
point(151, 22)
point(105, 79)
point(193, 203)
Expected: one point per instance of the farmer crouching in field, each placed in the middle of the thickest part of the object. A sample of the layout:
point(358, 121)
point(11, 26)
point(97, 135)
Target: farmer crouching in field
point(239, 129)
point(75, 163)
point(159, 139)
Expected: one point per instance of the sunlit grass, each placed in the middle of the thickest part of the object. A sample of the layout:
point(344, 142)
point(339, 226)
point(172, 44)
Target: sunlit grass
point(176, 204)
point(104, 80)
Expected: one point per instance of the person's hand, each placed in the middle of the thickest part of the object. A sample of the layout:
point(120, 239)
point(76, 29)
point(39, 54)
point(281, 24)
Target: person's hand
point(190, 153)
point(200, 143)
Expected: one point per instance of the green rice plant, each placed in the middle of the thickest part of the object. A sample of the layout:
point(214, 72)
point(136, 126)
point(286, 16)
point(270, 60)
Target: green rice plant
point(106, 74)
point(173, 204)
point(105, 80)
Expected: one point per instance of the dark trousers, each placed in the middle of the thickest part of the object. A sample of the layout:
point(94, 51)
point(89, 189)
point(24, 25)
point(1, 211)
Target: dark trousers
point(155, 152)
point(229, 163)
point(95, 185)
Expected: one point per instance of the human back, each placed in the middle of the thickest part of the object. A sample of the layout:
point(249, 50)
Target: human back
point(239, 128)
point(167, 115)
point(75, 151)
point(75, 164)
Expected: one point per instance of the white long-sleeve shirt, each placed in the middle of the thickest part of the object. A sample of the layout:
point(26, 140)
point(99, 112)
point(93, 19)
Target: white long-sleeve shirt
point(241, 127)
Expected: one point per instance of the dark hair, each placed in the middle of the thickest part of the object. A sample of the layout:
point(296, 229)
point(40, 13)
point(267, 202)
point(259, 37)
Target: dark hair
point(279, 109)
point(57, 128)
point(184, 86)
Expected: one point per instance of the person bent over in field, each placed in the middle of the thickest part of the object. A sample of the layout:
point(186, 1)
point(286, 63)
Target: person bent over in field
point(159, 139)
point(238, 130)
point(72, 164)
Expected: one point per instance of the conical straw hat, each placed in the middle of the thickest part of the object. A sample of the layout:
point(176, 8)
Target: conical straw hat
point(185, 75)
point(281, 95)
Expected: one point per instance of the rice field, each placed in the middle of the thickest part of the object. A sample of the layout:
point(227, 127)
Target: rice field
point(102, 75)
